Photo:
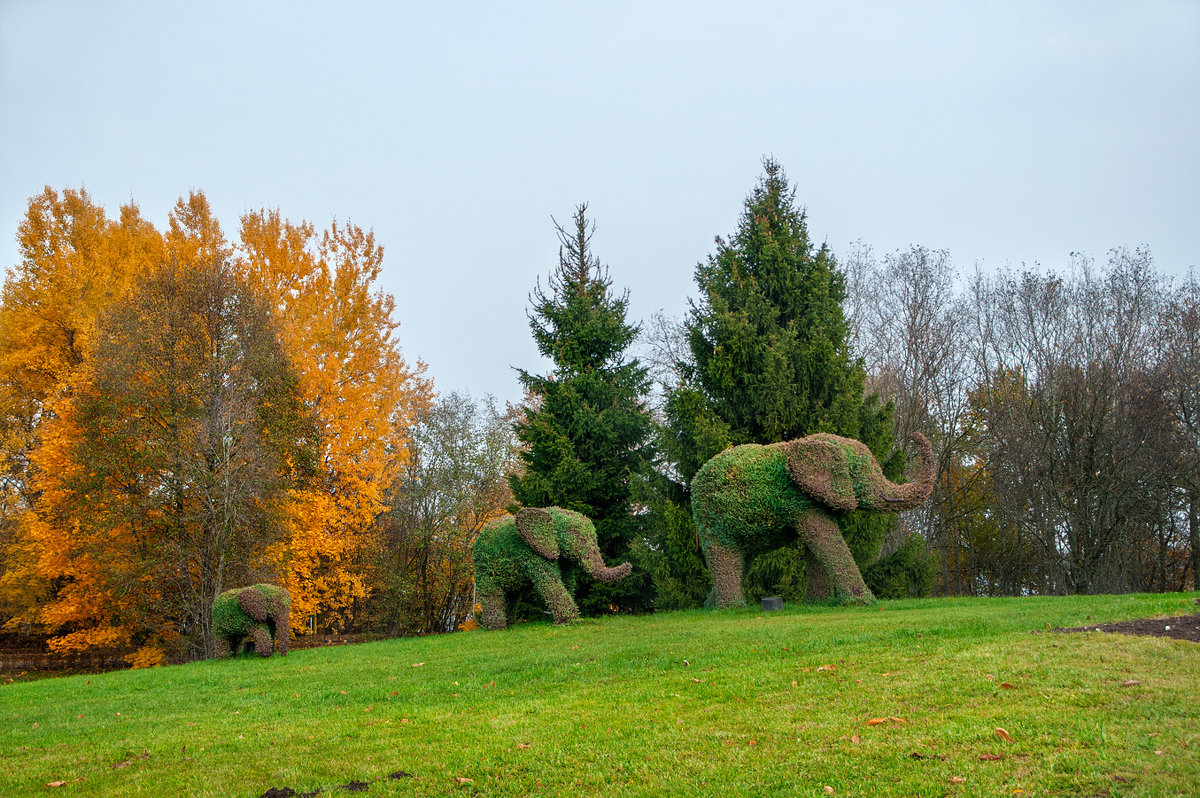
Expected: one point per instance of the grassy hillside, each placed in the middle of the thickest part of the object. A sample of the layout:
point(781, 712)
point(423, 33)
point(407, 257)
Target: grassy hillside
point(678, 704)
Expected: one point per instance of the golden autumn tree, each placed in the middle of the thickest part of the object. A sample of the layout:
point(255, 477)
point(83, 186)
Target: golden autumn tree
point(338, 331)
point(163, 475)
point(74, 262)
point(85, 554)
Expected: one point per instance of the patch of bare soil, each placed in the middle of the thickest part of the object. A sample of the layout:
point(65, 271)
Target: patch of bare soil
point(1180, 627)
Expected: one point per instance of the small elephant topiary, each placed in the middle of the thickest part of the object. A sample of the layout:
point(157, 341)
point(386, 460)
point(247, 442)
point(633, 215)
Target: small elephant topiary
point(542, 546)
point(260, 612)
point(754, 498)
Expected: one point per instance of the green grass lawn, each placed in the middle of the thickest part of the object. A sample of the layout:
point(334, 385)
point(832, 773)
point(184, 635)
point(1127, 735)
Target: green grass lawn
point(676, 704)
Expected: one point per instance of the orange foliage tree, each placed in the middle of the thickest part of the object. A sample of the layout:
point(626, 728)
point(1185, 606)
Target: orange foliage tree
point(75, 261)
point(338, 332)
point(162, 475)
point(336, 336)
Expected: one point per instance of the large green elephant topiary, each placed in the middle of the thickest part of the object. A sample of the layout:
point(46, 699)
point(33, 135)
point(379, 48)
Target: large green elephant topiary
point(754, 498)
point(542, 546)
point(259, 612)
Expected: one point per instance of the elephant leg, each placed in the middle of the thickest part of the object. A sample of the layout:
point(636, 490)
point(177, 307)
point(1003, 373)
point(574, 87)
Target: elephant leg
point(262, 640)
point(491, 603)
point(818, 588)
point(547, 581)
point(824, 540)
point(282, 616)
point(221, 648)
point(725, 565)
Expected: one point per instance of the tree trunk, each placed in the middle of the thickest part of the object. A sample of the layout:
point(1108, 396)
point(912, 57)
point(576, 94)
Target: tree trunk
point(1194, 534)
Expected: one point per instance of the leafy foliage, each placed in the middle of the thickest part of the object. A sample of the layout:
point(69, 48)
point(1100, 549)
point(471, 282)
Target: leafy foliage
point(908, 572)
point(338, 331)
point(454, 481)
point(162, 475)
point(75, 261)
point(280, 354)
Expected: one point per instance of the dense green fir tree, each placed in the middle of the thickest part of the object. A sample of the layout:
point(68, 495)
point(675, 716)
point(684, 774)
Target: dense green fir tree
point(586, 428)
point(771, 362)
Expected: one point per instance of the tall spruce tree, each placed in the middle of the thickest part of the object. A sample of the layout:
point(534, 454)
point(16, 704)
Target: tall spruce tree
point(586, 428)
point(771, 362)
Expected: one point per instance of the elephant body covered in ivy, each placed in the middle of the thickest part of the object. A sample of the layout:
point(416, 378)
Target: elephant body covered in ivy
point(261, 613)
point(755, 498)
point(539, 546)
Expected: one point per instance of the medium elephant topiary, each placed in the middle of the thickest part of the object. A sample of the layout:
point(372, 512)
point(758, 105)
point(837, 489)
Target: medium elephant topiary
point(259, 612)
point(754, 498)
point(539, 546)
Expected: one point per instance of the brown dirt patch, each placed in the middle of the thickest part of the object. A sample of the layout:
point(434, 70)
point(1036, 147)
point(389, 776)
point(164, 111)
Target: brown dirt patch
point(1180, 627)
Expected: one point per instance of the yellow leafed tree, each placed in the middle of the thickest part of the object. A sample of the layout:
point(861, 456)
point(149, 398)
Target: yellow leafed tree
point(338, 331)
point(74, 263)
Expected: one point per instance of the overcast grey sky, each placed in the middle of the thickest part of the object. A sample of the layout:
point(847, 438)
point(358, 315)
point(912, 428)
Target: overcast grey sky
point(1012, 132)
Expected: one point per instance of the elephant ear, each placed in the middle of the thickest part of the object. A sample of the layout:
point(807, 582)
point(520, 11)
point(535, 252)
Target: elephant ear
point(821, 465)
point(536, 527)
point(253, 604)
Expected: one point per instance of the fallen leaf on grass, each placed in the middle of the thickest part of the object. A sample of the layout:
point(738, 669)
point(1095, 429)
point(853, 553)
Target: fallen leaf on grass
point(828, 790)
point(524, 745)
point(1130, 683)
point(462, 780)
point(830, 668)
point(1003, 735)
point(957, 780)
point(1007, 686)
point(919, 755)
point(855, 739)
point(55, 783)
point(1160, 752)
point(989, 758)
point(417, 664)
point(877, 721)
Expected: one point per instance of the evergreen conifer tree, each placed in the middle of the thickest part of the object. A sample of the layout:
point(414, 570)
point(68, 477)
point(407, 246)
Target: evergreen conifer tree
point(771, 362)
point(586, 428)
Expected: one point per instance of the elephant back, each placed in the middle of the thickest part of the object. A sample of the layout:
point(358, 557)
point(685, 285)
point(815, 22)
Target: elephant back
point(743, 491)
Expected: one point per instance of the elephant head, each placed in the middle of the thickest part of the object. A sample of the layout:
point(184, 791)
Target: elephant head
point(842, 474)
point(542, 547)
point(556, 532)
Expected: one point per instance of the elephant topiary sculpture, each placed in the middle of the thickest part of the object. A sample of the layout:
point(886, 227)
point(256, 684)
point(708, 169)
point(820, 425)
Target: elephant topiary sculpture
point(259, 612)
point(539, 546)
point(755, 498)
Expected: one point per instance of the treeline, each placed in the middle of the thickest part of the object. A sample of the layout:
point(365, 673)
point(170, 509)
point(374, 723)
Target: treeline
point(182, 413)
point(1065, 409)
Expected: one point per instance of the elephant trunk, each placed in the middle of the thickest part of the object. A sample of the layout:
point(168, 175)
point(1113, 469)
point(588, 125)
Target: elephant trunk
point(594, 565)
point(887, 496)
